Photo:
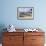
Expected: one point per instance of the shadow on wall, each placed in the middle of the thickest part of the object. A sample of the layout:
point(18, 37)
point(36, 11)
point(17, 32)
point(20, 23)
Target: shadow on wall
point(2, 26)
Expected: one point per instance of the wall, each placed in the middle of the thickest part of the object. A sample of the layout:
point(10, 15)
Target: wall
point(8, 13)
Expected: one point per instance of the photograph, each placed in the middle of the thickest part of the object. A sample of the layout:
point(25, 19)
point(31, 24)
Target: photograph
point(25, 13)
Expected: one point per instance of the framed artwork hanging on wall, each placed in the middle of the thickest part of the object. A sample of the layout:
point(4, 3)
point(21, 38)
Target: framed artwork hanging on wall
point(25, 13)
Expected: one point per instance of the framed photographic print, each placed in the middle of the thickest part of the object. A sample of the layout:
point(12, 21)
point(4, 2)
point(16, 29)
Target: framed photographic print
point(25, 13)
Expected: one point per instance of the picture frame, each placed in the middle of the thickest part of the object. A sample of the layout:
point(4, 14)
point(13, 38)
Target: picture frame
point(25, 13)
